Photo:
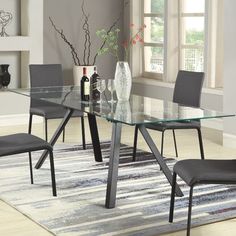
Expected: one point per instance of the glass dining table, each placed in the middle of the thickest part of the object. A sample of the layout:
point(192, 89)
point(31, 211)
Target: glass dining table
point(138, 111)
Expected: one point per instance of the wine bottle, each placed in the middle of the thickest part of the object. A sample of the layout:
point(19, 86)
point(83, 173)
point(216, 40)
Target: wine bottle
point(94, 93)
point(84, 84)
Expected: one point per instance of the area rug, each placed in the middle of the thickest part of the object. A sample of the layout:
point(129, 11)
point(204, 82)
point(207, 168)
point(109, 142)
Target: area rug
point(142, 199)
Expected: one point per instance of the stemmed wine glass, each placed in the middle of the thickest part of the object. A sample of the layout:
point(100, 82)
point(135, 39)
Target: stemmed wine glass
point(101, 86)
point(110, 87)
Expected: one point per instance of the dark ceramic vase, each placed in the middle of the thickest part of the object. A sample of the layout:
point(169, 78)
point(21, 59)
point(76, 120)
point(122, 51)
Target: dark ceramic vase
point(5, 77)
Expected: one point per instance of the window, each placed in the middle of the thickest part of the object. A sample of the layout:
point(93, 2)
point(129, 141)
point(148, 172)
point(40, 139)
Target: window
point(192, 35)
point(179, 34)
point(154, 37)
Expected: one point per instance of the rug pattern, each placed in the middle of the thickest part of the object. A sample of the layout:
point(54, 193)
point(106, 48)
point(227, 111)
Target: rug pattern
point(142, 199)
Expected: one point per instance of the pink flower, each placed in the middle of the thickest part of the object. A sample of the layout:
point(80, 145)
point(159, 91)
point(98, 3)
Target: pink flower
point(125, 44)
point(141, 40)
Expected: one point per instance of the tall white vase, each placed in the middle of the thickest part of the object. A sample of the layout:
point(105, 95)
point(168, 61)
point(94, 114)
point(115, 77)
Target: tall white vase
point(123, 111)
point(78, 73)
point(123, 81)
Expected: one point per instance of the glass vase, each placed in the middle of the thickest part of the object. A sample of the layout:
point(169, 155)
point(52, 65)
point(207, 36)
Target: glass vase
point(123, 81)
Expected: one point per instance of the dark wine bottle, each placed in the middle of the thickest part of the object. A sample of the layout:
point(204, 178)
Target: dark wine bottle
point(94, 93)
point(84, 84)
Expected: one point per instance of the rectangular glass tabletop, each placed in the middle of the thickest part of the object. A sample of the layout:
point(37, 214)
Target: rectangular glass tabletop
point(138, 110)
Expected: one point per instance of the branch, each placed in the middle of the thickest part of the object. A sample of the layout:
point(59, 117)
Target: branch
point(85, 32)
point(130, 42)
point(73, 51)
point(87, 43)
point(108, 31)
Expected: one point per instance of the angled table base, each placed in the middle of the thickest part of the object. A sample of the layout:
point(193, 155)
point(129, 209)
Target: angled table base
point(114, 163)
point(113, 166)
point(93, 131)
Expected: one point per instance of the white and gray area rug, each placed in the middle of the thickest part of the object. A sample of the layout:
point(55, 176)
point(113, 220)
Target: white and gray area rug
point(142, 199)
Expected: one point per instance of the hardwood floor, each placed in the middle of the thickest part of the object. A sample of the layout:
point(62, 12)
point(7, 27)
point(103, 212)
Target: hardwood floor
point(14, 223)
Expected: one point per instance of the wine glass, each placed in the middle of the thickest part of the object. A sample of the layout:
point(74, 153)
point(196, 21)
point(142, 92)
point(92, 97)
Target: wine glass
point(110, 87)
point(101, 86)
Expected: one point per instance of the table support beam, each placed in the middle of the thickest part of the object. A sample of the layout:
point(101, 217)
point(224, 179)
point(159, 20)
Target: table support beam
point(113, 166)
point(159, 158)
point(114, 163)
point(95, 137)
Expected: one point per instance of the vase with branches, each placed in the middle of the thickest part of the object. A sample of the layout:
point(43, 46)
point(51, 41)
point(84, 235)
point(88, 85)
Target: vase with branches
point(123, 79)
point(84, 58)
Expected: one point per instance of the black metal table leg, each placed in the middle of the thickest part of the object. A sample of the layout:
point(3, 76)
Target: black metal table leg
point(113, 166)
point(95, 137)
point(159, 158)
point(56, 135)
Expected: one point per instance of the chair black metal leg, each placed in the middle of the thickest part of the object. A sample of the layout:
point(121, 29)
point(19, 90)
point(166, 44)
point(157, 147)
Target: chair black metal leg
point(54, 189)
point(83, 133)
point(31, 169)
point(135, 143)
point(201, 144)
point(46, 129)
point(172, 200)
point(162, 141)
point(30, 124)
point(63, 135)
point(176, 151)
point(189, 210)
point(55, 137)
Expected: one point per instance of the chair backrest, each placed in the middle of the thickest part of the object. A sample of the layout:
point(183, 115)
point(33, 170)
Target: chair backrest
point(188, 88)
point(43, 75)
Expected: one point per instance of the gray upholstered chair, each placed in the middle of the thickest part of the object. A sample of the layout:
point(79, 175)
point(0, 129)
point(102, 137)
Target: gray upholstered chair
point(195, 172)
point(187, 92)
point(47, 75)
point(21, 143)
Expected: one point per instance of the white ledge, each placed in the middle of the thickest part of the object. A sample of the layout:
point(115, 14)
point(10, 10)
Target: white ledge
point(154, 82)
point(15, 43)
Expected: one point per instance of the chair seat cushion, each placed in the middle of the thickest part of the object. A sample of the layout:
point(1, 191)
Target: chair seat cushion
point(174, 125)
point(52, 112)
point(19, 143)
point(206, 171)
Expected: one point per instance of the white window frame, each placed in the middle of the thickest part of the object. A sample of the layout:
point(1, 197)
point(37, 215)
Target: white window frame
point(213, 57)
point(148, 74)
point(183, 46)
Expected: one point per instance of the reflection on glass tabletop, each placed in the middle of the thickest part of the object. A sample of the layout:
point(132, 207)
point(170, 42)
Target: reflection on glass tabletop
point(138, 110)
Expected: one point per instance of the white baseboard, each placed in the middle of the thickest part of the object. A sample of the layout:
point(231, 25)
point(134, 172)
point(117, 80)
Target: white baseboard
point(229, 140)
point(21, 119)
point(213, 123)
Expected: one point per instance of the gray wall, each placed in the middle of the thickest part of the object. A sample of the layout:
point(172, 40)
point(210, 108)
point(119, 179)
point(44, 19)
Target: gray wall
point(67, 16)
point(230, 65)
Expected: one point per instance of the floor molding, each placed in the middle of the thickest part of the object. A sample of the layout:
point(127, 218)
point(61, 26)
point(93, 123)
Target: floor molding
point(20, 119)
point(216, 124)
point(229, 140)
